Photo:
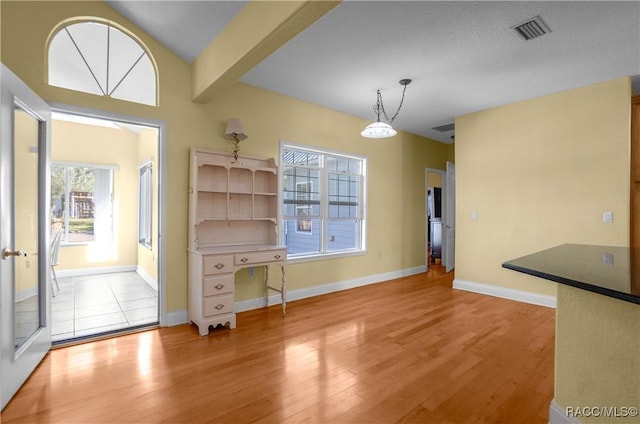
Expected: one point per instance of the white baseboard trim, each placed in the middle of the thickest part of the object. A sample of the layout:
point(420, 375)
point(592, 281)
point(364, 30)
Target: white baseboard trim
point(175, 318)
point(61, 273)
point(505, 293)
point(297, 294)
point(147, 277)
point(557, 415)
point(182, 317)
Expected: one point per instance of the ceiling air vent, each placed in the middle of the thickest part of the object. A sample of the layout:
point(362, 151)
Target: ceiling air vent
point(444, 128)
point(532, 28)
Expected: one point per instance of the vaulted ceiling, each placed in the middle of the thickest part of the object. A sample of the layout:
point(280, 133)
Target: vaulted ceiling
point(462, 56)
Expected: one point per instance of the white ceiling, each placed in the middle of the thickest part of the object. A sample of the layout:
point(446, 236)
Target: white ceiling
point(462, 56)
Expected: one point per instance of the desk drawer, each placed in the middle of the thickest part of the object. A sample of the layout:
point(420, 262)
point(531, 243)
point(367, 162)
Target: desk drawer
point(260, 257)
point(217, 305)
point(218, 264)
point(219, 284)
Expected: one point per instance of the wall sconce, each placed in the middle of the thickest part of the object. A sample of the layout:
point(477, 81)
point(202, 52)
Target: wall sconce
point(235, 132)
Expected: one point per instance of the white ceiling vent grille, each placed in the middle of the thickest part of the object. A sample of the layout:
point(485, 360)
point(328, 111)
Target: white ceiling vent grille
point(532, 28)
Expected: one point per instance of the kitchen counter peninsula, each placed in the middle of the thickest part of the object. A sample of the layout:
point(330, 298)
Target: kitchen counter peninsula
point(597, 348)
point(606, 270)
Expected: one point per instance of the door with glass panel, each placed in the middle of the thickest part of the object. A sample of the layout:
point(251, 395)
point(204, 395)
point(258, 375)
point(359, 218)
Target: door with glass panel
point(25, 306)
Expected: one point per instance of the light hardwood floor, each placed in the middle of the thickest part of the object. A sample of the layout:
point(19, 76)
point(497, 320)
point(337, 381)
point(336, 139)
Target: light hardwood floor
point(410, 350)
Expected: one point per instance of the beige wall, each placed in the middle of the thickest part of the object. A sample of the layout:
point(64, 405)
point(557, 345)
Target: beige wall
point(396, 166)
point(540, 173)
point(73, 142)
point(597, 354)
point(434, 179)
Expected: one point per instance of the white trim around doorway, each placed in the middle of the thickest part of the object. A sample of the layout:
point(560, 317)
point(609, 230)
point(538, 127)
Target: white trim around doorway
point(162, 180)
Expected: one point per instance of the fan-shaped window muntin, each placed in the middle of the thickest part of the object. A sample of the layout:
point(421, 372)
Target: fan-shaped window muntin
point(99, 58)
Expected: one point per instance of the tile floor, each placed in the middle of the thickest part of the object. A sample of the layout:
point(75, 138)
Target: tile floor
point(94, 304)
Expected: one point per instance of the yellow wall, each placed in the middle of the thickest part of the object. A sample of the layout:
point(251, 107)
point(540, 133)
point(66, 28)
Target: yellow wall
point(73, 142)
point(597, 354)
point(148, 150)
point(396, 166)
point(434, 179)
point(540, 173)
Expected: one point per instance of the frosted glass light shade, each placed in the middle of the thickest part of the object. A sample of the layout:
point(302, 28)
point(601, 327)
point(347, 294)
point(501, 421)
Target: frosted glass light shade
point(235, 130)
point(378, 130)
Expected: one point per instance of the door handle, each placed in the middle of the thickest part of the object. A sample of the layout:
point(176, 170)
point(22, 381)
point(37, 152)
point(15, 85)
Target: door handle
point(6, 253)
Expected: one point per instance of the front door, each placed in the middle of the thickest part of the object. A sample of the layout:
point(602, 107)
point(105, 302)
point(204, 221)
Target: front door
point(25, 306)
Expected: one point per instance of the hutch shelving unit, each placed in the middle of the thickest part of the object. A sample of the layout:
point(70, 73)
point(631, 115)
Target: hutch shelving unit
point(233, 224)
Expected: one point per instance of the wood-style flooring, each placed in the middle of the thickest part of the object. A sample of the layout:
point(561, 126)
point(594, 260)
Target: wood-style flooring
point(411, 350)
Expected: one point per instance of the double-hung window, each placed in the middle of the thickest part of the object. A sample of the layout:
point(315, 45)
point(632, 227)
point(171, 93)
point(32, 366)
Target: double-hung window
point(323, 202)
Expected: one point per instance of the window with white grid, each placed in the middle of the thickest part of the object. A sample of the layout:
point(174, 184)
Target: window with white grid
point(323, 201)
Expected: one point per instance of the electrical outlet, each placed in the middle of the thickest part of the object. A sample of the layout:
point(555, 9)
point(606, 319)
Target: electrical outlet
point(251, 271)
point(607, 217)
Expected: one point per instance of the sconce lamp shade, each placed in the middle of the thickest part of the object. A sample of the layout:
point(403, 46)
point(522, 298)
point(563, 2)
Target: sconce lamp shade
point(235, 130)
point(378, 130)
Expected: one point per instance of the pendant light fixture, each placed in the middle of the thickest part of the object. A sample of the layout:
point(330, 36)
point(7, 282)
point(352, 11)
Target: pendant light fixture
point(381, 129)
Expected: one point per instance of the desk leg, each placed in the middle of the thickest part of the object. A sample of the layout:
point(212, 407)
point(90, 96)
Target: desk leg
point(283, 291)
point(266, 286)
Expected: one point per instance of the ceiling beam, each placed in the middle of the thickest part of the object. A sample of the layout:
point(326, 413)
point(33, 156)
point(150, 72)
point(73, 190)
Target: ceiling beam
point(258, 30)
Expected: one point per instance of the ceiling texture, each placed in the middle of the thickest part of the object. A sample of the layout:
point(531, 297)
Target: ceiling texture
point(462, 56)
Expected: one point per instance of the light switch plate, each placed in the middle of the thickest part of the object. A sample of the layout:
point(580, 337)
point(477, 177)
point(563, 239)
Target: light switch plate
point(607, 217)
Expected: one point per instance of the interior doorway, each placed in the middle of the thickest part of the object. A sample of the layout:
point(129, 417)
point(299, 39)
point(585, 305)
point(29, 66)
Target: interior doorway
point(434, 196)
point(105, 226)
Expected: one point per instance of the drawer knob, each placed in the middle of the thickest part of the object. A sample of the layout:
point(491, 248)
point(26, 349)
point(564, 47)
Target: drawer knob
point(219, 266)
point(219, 306)
point(219, 286)
point(243, 260)
point(277, 256)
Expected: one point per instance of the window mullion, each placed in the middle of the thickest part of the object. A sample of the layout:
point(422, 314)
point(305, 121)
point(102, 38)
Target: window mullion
point(67, 204)
point(324, 204)
point(85, 61)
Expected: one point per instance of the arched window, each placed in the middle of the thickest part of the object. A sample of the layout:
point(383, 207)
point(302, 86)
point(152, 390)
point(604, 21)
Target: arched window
point(96, 57)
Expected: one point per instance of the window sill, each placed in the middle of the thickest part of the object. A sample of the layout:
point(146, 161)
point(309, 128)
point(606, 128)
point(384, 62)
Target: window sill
point(324, 256)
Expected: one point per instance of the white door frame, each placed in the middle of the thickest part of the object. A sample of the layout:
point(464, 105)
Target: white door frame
point(449, 218)
point(162, 177)
point(426, 210)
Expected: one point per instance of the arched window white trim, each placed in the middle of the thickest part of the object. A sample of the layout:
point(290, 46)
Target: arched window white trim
point(99, 57)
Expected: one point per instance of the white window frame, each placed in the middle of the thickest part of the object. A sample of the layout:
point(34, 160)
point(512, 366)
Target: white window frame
point(65, 237)
point(145, 204)
point(111, 75)
point(361, 244)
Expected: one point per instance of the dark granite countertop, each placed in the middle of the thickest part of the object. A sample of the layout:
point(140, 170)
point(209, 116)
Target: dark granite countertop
point(607, 270)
